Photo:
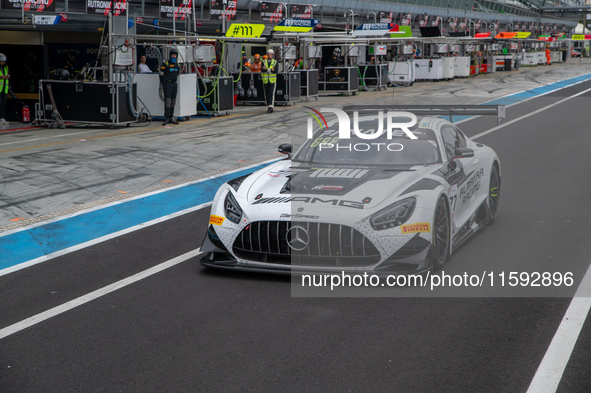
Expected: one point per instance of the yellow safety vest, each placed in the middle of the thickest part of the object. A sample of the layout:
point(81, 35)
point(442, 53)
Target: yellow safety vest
point(267, 76)
point(4, 82)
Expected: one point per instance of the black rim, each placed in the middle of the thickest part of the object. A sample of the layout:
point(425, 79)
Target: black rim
point(495, 192)
point(441, 231)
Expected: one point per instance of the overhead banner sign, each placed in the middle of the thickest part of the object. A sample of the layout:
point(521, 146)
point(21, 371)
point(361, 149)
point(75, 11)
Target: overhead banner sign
point(386, 17)
point(181, 11)
point(405, 19)
point(546, 38)
point(222, 9)
point(373, 29)
point(271, 12)
point(301, 11)
point(463, 23)
point(523, 34)
point(452, 22)
point(297, 25)
point(423, 20)
point(581, 37)
point(30, 5)
point(400, 31)
point(245, 30)
point(104, 7)
point(482, 35)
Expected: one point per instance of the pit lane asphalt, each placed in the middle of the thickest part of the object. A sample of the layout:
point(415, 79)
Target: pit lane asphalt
point(190, 329)
point(48, 173)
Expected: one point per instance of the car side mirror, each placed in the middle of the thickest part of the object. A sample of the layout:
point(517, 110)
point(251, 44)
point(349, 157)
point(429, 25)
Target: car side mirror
point(460, 152)
point(286, 149)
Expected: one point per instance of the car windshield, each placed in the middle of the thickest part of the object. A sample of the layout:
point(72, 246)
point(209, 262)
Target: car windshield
point(326, 147)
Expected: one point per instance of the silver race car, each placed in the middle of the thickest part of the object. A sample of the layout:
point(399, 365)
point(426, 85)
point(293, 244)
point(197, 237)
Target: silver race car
point(370, 200)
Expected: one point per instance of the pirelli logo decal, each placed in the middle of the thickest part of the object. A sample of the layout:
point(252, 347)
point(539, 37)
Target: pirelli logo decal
point(216, 220)
point(415, 228)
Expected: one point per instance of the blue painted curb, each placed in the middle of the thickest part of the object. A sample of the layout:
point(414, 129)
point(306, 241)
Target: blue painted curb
point(23, 246)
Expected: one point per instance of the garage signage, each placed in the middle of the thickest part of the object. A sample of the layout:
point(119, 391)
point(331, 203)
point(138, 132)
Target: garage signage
point(405, 19)
point(386, 17)
point(271, 12)
point(30, 5)
point(375, 29)
point(302, 11)
point(245, 30)
point(522, 34)
point(103, 7)
point(222, 9)
point(506, 35)
point(46, 19)
point(182, 8)
point(298, 25)
point(400, 31)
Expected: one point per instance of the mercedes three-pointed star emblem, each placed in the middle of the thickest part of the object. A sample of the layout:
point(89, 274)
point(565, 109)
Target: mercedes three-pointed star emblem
point(297, 238)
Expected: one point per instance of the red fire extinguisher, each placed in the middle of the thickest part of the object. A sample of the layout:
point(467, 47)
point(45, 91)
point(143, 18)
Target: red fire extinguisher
point(26, 114)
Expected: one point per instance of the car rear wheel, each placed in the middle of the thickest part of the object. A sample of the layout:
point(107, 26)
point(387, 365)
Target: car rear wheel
point(441, 234)
point(494, 194)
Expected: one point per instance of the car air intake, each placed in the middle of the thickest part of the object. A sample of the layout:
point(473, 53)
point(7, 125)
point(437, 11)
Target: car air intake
point(305, 243)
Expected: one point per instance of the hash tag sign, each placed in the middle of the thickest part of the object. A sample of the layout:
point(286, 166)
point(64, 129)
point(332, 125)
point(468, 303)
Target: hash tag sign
point(245, 30)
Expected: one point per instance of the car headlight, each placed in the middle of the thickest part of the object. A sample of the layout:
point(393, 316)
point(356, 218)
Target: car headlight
point(394, 215)
point(232, 208)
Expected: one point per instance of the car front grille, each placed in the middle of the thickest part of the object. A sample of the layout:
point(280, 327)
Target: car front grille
point(314, 244)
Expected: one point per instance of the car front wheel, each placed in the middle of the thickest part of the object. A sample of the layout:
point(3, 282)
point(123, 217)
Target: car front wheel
point(494, 193)
point(441, 234)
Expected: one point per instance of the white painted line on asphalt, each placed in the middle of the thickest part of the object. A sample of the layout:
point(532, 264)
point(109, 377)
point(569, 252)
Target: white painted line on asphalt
point(529, 114)
point(559, 352)
point(101, 239)
point(526, 99)
point(35, 319)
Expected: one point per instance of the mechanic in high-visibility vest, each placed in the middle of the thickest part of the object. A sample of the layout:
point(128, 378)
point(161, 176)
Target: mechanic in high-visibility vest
point(4, 79)
point(548, 57)
point(269, 77)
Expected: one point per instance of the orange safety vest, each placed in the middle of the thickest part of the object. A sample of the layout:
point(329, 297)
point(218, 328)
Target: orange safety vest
point(256, 67)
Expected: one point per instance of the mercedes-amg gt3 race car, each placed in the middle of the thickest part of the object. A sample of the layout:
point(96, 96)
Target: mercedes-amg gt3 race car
point(388, 204)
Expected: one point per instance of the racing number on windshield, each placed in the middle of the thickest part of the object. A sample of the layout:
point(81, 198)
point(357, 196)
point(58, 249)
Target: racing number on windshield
point(326, 140)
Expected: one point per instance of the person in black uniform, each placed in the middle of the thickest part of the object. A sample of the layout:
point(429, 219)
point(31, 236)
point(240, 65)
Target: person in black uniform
point(169, 72)
point(336, 60)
